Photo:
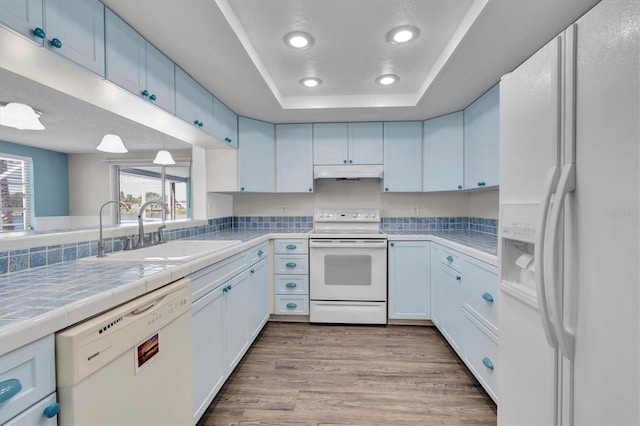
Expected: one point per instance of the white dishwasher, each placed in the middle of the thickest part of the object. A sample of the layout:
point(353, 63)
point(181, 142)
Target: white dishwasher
point(130, 365)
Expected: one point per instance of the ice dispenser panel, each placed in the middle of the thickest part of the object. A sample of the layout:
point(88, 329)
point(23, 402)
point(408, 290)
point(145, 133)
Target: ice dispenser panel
point(518, 264)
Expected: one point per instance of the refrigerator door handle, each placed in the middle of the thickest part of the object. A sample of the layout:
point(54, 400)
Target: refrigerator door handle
point(538, 258)
point(565, 336)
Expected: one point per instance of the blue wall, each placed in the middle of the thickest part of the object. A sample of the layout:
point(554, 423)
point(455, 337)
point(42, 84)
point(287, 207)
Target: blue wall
point(50, 178)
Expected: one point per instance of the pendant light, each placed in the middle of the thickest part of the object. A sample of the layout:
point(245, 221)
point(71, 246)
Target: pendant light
point(164, 158)
point(112, 143)
point(20, 116)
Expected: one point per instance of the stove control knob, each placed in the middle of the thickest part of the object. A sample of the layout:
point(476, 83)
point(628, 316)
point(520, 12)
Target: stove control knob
point(355, 215)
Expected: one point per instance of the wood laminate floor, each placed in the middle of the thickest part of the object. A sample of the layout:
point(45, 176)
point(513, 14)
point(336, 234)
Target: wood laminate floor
point(304, 374)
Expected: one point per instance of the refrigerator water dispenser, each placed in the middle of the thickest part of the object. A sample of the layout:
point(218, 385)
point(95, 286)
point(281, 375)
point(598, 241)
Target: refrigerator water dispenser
point(518, 265)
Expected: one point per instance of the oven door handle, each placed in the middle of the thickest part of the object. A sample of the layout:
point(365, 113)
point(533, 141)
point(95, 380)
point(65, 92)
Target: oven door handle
point(360, 244)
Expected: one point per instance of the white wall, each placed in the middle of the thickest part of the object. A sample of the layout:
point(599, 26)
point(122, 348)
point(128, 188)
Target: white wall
point(366, 193)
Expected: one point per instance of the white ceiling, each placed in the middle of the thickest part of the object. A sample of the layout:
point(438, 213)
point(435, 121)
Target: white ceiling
point(234, 48)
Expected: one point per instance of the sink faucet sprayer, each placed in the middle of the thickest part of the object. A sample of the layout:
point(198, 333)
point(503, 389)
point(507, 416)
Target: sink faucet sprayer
point(101, 241)
point(141, 242)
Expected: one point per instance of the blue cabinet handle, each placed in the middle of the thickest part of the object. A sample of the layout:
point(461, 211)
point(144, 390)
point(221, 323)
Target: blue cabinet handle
point(227, 288)
point(310, 189)
point(392, 244)
point(449, 258)
point(39, 32)
point(153, 97)
point(458, 277)
point(291, 246)
point(200, 124)
point(344, 161)
point(459, 186)
point(487, 363)
point(242, 188)
point(291, 265)
point(260, 252)
point(350, 161)
point(488, 297)
point(481, 184)
point(253, 271)
point(386, 189)
point(292, 285)
point(9, 389)
point(52, 410)
point(292, 305)
point(56, 43)
point(145, 92)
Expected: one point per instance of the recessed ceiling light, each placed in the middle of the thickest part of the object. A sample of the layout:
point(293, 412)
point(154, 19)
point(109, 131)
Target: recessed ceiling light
point(403, 34)
point(310, 82)
point(387, 79)
point(298, 40)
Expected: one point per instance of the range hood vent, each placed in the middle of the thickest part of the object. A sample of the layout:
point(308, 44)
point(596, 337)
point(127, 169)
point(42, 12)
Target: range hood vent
point(349, 171)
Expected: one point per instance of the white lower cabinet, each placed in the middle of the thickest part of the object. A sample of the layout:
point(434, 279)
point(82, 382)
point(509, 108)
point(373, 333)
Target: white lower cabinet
point(409, 280)
point(230, 308)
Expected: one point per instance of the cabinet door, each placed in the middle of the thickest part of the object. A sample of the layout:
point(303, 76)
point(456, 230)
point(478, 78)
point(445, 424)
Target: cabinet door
point(294, 158)
point(125, 55)
point(209, 364)
point(453, 320)
point(409, 280)
point(481, 291)
point(193, 103)
point(365, 143)
point(225, 123)
point(236, 319)
point(258, 297)
point(481, 141)
point(330, 143)
point(256, 156)
point(443, 161)
point(79, 26)
point(22, 16)
point(161, 80)
point(403, 156)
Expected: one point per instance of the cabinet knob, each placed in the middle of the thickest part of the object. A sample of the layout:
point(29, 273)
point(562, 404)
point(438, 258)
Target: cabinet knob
point(260, 252)
point(344, 161)
point(350, 161)
point(488, 297)
point(487, 363)
point(291, 285)
point(242, 188)
point(292, 305)
point(386, 189)
point(392, 244)
point(56, 43)
point(310, 189)
point(458, 277)
point(152, 97)
point(52, 410)
point(196, 122)
point(291, 246)
point(253, 271)
point(291, 264)
point(39, 32)
point(200, 124)
point(145, 92)
point(449, 258)
point(459, 186)
point(9, 389)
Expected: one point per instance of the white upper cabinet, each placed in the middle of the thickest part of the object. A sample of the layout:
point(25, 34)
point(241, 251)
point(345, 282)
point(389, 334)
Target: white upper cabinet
point(403, 156)
point(256, 156)
point(347, 143)
point(137, 66)
point(443, 162)
point(193, 103)
point(481, 141)
point(24, 17)
point(225, 123)
point(294, 158)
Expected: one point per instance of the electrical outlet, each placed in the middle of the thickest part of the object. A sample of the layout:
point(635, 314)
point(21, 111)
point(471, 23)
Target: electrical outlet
point(283, 209)
point(416, 211)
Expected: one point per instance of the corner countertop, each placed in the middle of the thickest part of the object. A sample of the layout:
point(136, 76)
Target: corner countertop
point(41, 301)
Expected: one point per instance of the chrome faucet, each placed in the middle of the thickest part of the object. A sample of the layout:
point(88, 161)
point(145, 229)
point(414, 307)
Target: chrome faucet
point(101, 241)
point(141, 242)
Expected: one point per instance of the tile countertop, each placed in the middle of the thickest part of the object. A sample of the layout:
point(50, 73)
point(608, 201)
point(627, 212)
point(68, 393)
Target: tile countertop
point(41, 301)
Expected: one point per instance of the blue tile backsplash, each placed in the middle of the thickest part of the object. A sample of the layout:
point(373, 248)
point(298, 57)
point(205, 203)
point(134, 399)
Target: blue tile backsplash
point(34, 257)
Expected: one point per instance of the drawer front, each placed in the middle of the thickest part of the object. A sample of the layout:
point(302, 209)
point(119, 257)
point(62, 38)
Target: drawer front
point(482, 354)
point(207, 279)
point(481, 291)
point(451, 258)
point(257, 253)
point(292, 305)
point(291, 246)
point(291, 284)
point(294, 264)
point(36, 415)
point(27, 375)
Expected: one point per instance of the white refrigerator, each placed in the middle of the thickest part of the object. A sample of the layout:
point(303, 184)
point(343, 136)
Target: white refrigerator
point(569, 315)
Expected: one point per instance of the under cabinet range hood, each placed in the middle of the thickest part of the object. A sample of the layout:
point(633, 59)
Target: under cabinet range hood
point(348, 171)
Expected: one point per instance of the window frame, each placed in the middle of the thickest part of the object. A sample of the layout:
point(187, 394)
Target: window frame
point(27, 185)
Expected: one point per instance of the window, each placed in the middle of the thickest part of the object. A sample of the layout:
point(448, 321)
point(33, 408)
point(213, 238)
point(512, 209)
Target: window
point(139, 184)
point(15, 193)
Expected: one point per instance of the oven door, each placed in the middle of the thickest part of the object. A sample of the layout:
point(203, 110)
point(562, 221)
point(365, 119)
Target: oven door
point(348, 269)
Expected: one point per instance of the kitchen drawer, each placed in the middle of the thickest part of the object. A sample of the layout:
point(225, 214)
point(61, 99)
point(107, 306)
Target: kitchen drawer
point(30, 368)
point(207, 279)
point(481, 292)
point(292, 305)
point(451, 258)
point(291, 264)
point(35, 416)
point(481, 354)
point(291, 284)
point(291, 246)
point(257, 253)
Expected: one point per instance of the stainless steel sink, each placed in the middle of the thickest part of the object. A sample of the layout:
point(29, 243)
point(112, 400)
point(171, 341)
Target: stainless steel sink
point(181, 251)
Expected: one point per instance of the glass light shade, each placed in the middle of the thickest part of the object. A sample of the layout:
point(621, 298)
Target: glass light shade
point(112, 143)
point(164, 158)
point(20, 116)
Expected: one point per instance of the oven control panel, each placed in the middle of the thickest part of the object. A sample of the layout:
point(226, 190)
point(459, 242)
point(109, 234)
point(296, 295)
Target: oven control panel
point(347, 215)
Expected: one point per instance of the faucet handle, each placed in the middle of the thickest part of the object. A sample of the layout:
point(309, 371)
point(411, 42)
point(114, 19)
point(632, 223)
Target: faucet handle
point(127, 242)
point(160, 234)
